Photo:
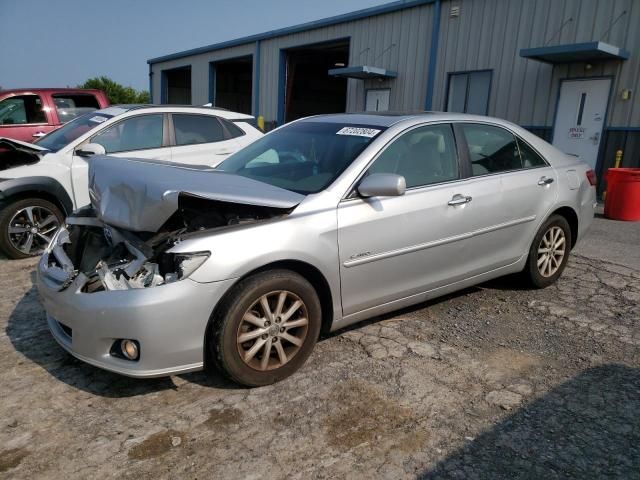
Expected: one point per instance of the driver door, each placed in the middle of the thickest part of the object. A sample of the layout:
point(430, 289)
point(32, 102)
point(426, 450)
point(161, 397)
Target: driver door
point(395, 247)
point(141, 136)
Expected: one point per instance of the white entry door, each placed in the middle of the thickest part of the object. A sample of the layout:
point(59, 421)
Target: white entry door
point(580, 117)
point(377, 100)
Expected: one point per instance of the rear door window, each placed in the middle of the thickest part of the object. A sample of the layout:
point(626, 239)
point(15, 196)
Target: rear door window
point(194, 129)
point(530, 158)
point(136, 133)
point(491, 149)
point(233, 130)
point(70, 106)
point(22, 110)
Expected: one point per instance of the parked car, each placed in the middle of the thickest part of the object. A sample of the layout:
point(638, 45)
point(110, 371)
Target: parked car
point(319, 224)
point(41, 183)
point(29, 114)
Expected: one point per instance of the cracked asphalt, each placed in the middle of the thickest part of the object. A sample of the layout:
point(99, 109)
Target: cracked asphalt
point(496, 381)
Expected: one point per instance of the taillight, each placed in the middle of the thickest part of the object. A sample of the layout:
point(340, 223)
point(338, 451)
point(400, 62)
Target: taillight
point(591, 176)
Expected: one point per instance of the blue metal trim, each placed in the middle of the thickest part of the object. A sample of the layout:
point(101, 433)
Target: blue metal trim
point(282, 73)
point(433, 56)
point(622, 129)
point(599, 50)
point(212, 83)
point(536, 127)
point(325, 22)
point(151, 84)
point(256, 81)
point(163, 87)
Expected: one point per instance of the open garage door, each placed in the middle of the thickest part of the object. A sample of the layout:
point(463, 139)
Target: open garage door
point(233, 84)
point(177, 86)
point(309, 88)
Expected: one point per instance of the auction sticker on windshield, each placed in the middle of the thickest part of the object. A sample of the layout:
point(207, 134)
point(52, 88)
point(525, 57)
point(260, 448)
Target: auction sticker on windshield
point(358, 132)
point(98, 119)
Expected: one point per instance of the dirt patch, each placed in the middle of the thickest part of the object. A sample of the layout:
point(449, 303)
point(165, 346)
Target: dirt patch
point(224, 417)
point(362, 415)
point(157, 444)
point(11, 458)
point(510, 360)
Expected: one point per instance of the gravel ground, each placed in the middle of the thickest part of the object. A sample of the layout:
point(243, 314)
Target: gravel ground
point(493, 382)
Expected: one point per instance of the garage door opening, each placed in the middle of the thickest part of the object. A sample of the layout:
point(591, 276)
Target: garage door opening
point(309, 89)
point(177, 90)
point(233, 84)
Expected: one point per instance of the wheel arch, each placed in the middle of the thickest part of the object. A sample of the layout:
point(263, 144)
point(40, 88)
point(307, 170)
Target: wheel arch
point(571, 217)
point(45, 188)
point(312, 274)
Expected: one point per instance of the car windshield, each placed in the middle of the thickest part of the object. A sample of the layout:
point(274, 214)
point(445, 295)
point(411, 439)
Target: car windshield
point(305, 157)
point(66, 134)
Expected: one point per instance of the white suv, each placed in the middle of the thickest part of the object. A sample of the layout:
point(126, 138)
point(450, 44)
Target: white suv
point(41, 183)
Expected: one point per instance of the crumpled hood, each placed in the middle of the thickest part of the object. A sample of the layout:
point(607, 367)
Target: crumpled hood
point(23, 146)
point(140, 195)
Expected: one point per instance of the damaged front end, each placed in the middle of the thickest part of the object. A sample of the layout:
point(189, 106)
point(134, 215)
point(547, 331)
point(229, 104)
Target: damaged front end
point(95, 257)
point(140, 211)
point(14, 153)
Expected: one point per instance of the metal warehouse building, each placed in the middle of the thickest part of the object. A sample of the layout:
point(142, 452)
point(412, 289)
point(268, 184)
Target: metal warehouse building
point(568, 70)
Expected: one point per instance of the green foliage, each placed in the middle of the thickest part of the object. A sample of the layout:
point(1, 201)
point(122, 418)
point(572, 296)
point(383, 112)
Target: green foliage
point(115, 92)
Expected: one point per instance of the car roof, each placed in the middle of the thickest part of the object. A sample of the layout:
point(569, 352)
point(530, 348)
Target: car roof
point(48, 89)
point(387, 119)
point(221, 112)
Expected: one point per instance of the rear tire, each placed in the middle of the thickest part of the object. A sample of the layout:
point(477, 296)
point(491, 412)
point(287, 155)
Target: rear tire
point(549, 252)
point(265, 328)
point(27, 226)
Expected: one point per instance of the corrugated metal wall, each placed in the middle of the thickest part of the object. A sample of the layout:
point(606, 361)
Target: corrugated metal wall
point(409, 30)
point(199, 71)
point(489, 34)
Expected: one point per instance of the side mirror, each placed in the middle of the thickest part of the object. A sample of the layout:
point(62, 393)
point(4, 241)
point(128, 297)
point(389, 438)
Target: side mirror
point(382, 185)
point(91, 149)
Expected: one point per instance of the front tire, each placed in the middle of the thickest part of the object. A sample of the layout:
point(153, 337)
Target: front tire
point(549, 252)
point(265, 328)
point(27, 226)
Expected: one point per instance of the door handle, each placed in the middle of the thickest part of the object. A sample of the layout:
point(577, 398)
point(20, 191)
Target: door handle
point(38, 134)
point(459, 200)
point(545, 181)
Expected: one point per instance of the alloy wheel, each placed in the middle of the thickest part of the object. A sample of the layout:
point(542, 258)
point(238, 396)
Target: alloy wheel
point(551, 251)
point(272, 330)
point(31, 229)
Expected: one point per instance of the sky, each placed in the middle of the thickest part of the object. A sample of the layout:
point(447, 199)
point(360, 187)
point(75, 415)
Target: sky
point(46, 43)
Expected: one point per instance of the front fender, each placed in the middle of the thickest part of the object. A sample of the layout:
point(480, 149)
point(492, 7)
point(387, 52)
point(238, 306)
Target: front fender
point(36, 184)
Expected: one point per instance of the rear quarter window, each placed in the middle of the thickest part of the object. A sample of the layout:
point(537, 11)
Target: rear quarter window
point(234, 130)
point(71, 106)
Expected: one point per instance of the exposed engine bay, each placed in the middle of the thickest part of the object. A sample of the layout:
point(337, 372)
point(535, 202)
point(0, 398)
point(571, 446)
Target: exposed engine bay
point(104, 257)
point(13, 154)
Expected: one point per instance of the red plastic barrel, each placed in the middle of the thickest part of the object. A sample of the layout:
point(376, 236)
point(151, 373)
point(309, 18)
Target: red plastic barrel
point(623, 194)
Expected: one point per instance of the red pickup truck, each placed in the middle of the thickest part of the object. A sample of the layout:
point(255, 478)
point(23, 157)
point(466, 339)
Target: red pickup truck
point(29, 114)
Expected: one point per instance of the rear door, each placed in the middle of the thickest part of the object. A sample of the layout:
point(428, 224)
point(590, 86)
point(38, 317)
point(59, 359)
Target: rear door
point(517, 187)
point(139, 136)
point(200, 139)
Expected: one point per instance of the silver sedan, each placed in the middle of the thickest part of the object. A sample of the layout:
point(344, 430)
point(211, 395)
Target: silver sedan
point(320, 224)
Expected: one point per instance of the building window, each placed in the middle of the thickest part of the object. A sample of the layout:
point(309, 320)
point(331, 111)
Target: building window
point(377, 100)
point(468, 92)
